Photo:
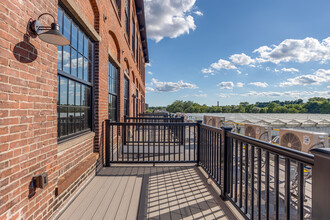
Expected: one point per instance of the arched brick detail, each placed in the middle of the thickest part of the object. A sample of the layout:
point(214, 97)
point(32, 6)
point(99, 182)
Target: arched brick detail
point(115, 39)
point(96, 15)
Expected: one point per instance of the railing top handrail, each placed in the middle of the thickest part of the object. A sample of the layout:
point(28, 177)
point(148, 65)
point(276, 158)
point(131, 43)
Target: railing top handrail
point(219, 130)
point(152, 123)
point(277, 149)
point(153, 118)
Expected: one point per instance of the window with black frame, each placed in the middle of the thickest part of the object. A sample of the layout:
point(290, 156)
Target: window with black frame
point(126, 98)
point(118, 4)
point(133, 35)
point(137, 51)
point(75, 76)
point(113, 73)
point(127, 5)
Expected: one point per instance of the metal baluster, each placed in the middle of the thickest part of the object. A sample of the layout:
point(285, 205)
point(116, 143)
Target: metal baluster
point(267, 184)
point(287, 188)
point(246, 177)
point(301, 191)
point(236, 168)
point(259, 185)
point(252, 182)
point(241, 176)
point(276, 184)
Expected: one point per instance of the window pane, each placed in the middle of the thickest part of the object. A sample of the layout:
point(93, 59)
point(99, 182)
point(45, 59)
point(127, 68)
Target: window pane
point(74, 36)
point(87, 118)
point(63, 121)
point(90, 50)
point(78, 119)
point(85, 47)
point(80, 42)
point(60, 20)
point(58, 90)
point(71, 120)
point(78, 95)
point(71, 93)
point(83, 100)
point(64, 91)
point(90, 72)
point(59, 57)
point(85, 69)
point(80, 66)
point(67, 27)
point(66, 59)
point(86, 96)
point(74, 62)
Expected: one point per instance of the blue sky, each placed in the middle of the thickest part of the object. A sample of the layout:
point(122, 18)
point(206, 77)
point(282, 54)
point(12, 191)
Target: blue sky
point(236, 50)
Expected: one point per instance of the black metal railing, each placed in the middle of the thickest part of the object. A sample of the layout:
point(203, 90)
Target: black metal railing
point(268, 181)
point(165, 142)
point(262, 180)
point(153, 119)
point(156, 114)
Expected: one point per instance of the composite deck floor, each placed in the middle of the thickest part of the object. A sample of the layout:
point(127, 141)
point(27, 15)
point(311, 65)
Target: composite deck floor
point(145, 192)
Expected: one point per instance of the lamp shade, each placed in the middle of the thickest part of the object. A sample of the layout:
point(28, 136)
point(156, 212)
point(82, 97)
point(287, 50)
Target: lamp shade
point(53, 36)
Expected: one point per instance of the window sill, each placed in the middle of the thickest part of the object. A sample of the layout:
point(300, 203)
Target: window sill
point(75, 141)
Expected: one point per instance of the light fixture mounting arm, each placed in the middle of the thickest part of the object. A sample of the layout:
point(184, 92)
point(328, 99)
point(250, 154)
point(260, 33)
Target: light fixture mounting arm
point(37, 26)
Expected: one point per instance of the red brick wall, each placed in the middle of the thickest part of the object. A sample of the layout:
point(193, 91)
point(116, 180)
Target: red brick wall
point(28, 123)
point(28, 95)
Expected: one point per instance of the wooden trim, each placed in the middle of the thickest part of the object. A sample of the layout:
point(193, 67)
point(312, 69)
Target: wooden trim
point(74, 9)
point(73, 174)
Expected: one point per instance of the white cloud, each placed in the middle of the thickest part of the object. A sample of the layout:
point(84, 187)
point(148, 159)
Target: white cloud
point(148, 64)
point(150, 73)
point(239, 72)
point(149, 89)
point(199, 13)
point(241, 59)
point(223, 64)
point(169, 18)
point(318, 77)
point(226, 85)
point(276, 70)
point(267, 68)
point(295, 50)
point(239, 84)
point(208, 71)
point(292, 94)
point(328, 87)
point(254, 93)
point(226, 95)
point(171, 86)
point(201, 95)
point(290, 70)
point(259, 84)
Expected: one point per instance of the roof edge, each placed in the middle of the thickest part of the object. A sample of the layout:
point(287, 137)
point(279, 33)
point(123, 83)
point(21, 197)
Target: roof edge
point(139, 5)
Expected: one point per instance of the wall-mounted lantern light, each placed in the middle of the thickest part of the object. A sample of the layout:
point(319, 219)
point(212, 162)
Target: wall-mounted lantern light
point(49, 34)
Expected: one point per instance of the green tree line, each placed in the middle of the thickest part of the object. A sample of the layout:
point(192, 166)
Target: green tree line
point(313, 105)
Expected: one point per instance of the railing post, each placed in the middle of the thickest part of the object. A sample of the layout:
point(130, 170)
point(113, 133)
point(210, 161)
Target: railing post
point(124, 130)
point(226, 153)
point(107, 143)
point(182, 136)
point(321, 184)
point(198, 140)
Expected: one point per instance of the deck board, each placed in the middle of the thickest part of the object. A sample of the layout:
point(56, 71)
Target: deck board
point(146, 192)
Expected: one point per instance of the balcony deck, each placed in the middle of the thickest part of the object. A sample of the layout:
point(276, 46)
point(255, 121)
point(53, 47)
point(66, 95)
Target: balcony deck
point(146, 192)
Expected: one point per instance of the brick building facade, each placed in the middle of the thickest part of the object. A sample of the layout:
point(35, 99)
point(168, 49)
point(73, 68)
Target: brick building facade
point(54, 100)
